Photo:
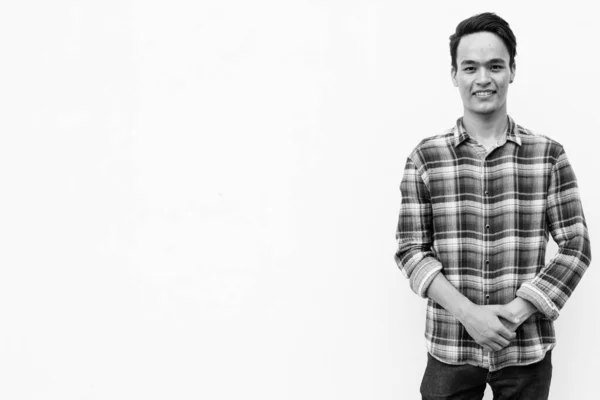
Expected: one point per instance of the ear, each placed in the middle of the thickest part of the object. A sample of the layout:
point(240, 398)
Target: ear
point(453, 76)
point(513, 71)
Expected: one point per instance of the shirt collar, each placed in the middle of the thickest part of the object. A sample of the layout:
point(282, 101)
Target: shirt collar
point(512, 133)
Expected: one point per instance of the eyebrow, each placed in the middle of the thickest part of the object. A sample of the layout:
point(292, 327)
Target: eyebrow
point(492, 61)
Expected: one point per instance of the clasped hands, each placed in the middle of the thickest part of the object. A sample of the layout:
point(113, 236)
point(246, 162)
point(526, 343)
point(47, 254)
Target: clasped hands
point(494, 326)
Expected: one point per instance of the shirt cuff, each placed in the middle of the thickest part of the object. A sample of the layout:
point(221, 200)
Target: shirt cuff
point(539, 299)
point(422, 277)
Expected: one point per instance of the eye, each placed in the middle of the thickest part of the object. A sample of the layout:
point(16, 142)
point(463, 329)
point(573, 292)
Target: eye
point(469, 69)
point(497, 67)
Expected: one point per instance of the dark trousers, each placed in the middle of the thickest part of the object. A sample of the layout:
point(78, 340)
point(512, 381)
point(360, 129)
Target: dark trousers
point(467, 382)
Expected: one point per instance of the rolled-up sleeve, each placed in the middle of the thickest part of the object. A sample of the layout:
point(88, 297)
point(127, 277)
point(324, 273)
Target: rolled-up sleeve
point(554, 284)
point(414, 234)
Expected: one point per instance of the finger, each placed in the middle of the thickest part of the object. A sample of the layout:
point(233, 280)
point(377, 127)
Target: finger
point(490, 344)
point(487, 348)
point(506, 333)
point(509, 325)
point(500, 341)
point(494, 346)
point(507, 315)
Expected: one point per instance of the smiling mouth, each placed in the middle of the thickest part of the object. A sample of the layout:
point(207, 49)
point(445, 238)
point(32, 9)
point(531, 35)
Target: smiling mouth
point(484, 93)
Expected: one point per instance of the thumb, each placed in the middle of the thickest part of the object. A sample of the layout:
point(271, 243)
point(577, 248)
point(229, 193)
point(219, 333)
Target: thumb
point(507, 315)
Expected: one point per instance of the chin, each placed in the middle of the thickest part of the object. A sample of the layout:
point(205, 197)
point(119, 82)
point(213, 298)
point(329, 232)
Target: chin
point(485, 110)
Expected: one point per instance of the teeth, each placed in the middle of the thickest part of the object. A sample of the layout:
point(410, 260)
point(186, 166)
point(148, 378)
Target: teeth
point(483, 94)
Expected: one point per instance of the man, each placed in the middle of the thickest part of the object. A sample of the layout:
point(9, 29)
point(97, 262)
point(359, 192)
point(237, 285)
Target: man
point(478, 203)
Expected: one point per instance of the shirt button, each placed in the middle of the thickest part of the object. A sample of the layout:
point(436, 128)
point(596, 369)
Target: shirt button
point(486, 192)
point(487, 262)
point(487, 226)
point(487, 296)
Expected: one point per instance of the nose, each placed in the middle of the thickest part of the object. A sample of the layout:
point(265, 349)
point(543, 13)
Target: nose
point(483, 77)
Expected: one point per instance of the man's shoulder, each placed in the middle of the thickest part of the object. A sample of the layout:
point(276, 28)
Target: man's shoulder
point(536, 139)
point(441, 140)
point(534, 136)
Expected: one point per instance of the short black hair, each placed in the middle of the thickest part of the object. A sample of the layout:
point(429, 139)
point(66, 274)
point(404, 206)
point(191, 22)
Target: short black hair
point(484, 22)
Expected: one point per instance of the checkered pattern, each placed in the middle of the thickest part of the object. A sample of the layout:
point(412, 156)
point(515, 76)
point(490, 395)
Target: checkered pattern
point(482, 218)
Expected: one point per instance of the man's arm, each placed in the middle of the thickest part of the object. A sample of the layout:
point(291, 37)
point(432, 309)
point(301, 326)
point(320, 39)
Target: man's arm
point(415, 232)
point(553, 285)
point(416, 260)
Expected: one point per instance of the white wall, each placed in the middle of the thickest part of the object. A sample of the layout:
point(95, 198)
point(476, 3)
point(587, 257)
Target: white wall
point(200, 198)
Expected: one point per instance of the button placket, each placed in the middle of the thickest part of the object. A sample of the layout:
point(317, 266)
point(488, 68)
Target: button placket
point(486, 231)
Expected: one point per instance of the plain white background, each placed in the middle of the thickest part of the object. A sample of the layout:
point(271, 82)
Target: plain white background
point(199, 199)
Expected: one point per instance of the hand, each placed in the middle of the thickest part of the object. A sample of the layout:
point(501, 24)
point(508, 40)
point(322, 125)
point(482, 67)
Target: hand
point(520, 308)
point(511, 326)
point(486, 328)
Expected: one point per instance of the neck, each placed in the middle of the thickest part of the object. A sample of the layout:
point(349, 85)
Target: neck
point(485, 128)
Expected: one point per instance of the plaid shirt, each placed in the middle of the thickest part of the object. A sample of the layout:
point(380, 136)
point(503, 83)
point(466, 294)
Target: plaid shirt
point(482, 218)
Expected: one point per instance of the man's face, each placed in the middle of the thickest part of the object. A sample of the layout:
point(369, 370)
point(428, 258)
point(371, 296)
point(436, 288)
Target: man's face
point(483, 73)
